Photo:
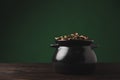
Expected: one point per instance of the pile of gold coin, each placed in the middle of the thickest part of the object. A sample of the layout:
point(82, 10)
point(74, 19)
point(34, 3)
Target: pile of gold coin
point(74, 36)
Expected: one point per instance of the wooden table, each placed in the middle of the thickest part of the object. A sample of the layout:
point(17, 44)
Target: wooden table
point(45, 71)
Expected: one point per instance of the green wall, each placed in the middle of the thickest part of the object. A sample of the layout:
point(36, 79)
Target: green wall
point(28, 27)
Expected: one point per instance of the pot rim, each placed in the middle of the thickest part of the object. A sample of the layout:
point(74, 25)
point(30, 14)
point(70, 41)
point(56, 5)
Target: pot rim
point(74, 40)
point(73, 43)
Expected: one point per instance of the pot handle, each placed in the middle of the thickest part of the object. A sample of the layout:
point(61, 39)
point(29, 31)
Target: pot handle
point(54, 45)
point(93, 46)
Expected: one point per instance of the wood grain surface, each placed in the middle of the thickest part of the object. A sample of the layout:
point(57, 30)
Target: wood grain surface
point(45, 71)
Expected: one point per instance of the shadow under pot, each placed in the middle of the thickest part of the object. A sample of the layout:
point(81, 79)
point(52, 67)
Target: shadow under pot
point(74, 57)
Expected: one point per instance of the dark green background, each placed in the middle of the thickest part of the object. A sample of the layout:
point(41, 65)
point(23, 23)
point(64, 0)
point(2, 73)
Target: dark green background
point(28, 27)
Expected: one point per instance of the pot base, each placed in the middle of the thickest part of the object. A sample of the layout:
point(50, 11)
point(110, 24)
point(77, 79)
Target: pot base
point(81, 68)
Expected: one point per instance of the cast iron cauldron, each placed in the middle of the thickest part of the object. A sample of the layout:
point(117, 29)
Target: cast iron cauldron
point(74, 57)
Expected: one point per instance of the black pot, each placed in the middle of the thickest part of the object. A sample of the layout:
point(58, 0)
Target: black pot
point(74, 57)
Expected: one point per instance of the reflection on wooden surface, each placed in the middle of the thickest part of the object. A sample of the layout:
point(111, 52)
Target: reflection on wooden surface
point(45, 71)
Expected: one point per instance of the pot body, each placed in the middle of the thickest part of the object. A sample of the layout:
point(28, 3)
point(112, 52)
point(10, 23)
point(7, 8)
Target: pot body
point(74, 59)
